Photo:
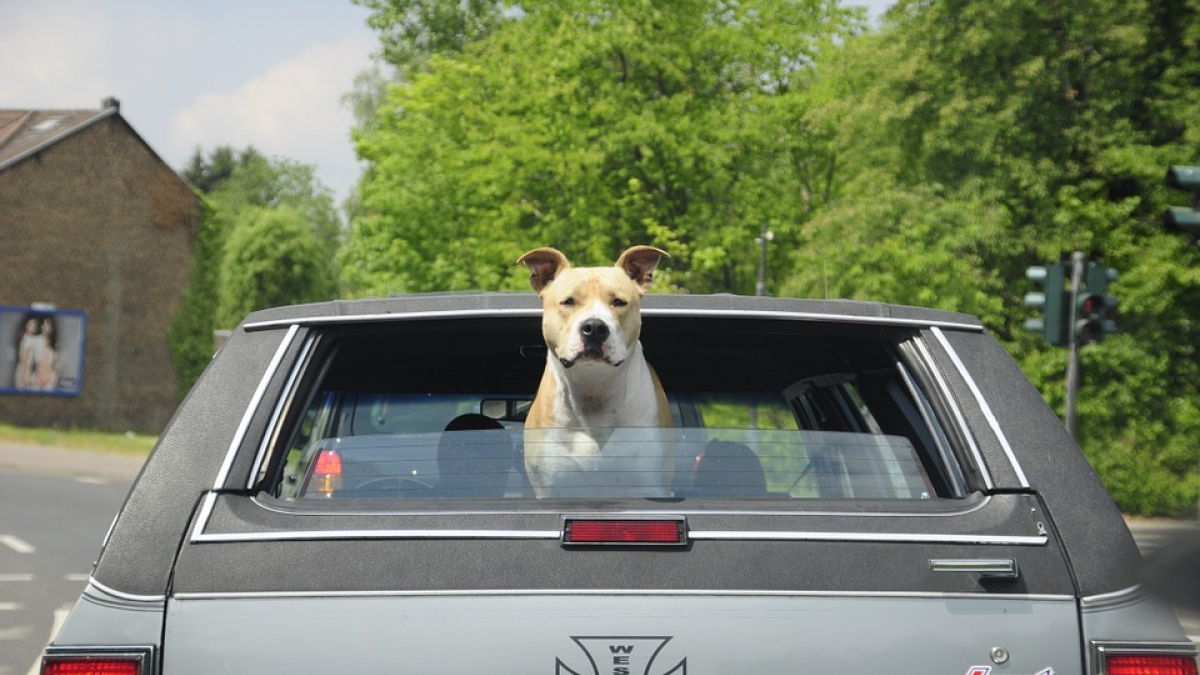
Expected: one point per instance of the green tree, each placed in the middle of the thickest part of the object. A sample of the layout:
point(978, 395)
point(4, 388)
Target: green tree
point(235, 186)
point(191, 331)
point(206, 174)
point(412, 31)
point(272, 257)
point(1011, 133)
point(929, 162)
point(281, 183)
point(650, 123)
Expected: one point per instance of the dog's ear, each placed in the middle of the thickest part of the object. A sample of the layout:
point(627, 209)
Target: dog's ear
point(639, 263)
point(544, 264)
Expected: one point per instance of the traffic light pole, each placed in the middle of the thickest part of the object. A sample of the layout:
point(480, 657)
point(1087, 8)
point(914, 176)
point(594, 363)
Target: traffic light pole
point(1078, 262)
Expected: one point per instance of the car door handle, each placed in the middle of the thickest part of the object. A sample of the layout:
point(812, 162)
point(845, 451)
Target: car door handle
point(996, 568)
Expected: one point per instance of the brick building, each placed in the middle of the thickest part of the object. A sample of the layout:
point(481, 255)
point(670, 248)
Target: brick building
point(91, 221)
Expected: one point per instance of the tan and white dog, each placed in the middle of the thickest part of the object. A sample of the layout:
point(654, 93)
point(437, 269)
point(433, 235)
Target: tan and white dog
point(582, 433)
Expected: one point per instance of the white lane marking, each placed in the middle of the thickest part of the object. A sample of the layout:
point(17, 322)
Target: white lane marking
point(1192, 627)
point(76, 577)
point(15, 577)
point(16, 544)
point(10, 606)
point(18, 633)
point(60, 617)
point(91, 480)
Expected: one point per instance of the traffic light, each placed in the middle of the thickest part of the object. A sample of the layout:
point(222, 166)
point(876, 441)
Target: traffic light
point(1092, 304)
point(1050, 303)
point(1184, 219)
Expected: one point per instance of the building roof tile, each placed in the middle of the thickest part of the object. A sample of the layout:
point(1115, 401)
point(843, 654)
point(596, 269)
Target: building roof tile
point(24, 133)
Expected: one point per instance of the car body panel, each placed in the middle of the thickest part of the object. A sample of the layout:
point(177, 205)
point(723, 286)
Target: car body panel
point(235, 549)
point(1104, 557)
point(614, 634)
point(142, 544)
point(208, 569)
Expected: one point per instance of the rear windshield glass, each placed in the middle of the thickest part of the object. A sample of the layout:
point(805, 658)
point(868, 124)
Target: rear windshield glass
point(429, 411)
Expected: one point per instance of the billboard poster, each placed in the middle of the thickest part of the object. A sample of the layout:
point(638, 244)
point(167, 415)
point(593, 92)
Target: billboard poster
point(41, 351)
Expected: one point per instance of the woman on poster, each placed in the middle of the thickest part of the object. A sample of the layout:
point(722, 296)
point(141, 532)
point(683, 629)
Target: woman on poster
point(29, 348)
point(46, 369)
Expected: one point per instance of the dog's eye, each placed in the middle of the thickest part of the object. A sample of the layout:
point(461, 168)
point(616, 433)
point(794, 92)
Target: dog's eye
point(569, 302)
point(617, 302)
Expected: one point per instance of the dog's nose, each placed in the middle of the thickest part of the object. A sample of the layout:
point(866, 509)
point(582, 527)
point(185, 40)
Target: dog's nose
point(593, 330)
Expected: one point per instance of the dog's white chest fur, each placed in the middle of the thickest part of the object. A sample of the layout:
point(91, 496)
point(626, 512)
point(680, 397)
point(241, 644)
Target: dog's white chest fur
point(591, 395)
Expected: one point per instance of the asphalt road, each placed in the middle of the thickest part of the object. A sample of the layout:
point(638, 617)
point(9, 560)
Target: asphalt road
point(56, 506)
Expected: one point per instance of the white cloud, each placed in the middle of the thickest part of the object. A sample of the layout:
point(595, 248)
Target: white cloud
point(294, 110)
point(197, 72)
point(72, 53)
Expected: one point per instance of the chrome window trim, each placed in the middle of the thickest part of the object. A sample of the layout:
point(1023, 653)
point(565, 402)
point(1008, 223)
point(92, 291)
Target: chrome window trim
point(94, 585)
point(251, 408)
point(872, 537)
point(954, 472)
point(983, 406)
point(1115, 600)
point(959, 417)
point(285, 398)
point(209, 501)
point(646, 311)
point(268, 595)
point(983, 501)
point(695, 535)
point(1129, 647)
point(398, 534)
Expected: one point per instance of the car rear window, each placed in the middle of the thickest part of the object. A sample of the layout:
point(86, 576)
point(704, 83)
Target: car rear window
point(774, 412)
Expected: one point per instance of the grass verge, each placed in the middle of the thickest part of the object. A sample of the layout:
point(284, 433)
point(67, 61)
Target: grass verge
point(97, 441)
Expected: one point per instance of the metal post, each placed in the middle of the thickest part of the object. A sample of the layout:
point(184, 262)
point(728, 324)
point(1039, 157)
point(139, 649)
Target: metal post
point(1078, 263)
point(760, 288)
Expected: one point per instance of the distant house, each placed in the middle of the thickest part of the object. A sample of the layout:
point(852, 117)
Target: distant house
point(96, 225)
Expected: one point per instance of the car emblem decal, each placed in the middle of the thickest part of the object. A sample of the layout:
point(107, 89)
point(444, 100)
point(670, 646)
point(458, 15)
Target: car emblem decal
point(633, 655)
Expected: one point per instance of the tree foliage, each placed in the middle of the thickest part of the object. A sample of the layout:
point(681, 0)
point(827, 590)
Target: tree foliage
point(272, 257)
point(1017, 132)
point(589, 125)
point(927, 162)
point(238, 189)
point(206, 174)
point(191, 332)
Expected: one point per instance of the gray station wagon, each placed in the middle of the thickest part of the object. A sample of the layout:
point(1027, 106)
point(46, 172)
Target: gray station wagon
point(857, 488)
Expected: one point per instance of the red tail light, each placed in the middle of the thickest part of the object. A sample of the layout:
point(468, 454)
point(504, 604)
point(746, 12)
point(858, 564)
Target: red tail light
point(329, 463)
point(327, 473)
point(625, 531)
point(92, 667)
point(1149, 664)
point(69, 661)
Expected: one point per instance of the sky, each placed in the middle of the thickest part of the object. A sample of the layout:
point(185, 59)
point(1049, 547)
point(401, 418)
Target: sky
point(202, 73)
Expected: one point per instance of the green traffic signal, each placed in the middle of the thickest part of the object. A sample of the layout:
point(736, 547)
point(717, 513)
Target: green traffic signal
point(1098, 277)
point(1184, 177)
point(1049, 304)
point(1091, 323)
point(1183, 219)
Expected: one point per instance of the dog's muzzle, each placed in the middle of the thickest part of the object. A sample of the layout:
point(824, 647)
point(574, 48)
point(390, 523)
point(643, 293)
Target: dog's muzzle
point(593, 334)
